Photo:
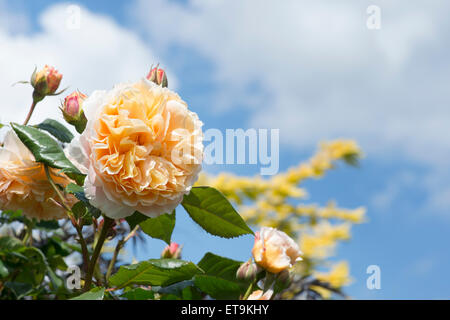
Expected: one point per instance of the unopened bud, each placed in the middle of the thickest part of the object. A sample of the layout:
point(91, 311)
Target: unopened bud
point(45, 82)
point(158, 76)
point(247, 271)
point(173, 251)
point(72, 110)
point(284, 278)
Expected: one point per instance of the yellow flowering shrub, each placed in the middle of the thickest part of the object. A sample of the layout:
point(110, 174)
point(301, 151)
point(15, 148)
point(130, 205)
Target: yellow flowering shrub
point(279, 202)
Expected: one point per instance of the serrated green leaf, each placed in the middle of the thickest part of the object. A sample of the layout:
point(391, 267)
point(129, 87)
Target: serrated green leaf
point(218, 266)
point(154, 272)
point(56, 129)
point(217, 288)
point(139, 294)
point(93, 294)
point(214, 213)
point(160, 227)
point(44, 148)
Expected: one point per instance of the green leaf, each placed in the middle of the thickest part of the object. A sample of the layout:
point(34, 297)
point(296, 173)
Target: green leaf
point(154, 272)
point(57, 262)
point(8, 244)
point(135, 219)
point(80, 210)
point(93, 294)
point(56, 129)
point(3, 270)
point(35, 269)
point(139, 294)
point(45, 149)
point(214, 213)
point(352, 159)
point(191, 293)
point(175, 289)
point(217, 288)
point(56, 246)
point(78, 192)
point(160, 227)
point(47, 225)
point(218, 266)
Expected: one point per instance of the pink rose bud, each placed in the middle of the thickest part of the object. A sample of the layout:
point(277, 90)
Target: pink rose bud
point(247, 271)
point(158, 76)
point(45, 82)
point(173, 251)
point(72, 110)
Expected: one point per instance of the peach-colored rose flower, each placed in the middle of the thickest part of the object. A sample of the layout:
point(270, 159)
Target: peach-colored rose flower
point(24, 185)
point(274, 250)
point(143, 149)
point(260, 295)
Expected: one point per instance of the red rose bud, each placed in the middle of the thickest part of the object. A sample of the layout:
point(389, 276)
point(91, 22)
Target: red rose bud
point(72, 110)
point(247, 271)
point(173, 251)
point(158, 76)
point(45, 82)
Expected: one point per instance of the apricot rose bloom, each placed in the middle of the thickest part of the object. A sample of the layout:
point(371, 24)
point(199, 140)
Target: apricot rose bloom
point(24, 185)
point(260, 295)
point(274, 250)
point(142, 149)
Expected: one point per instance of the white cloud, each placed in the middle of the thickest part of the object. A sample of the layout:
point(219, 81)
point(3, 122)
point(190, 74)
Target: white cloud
point(98, 55)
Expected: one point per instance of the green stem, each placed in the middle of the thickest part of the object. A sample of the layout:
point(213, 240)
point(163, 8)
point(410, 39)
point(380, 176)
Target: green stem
point(108, 223)
point(33, 105)
point(84, 249)
point(249, 291)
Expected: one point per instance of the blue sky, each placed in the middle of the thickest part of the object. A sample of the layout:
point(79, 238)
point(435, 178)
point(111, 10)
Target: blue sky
point(312, 69)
